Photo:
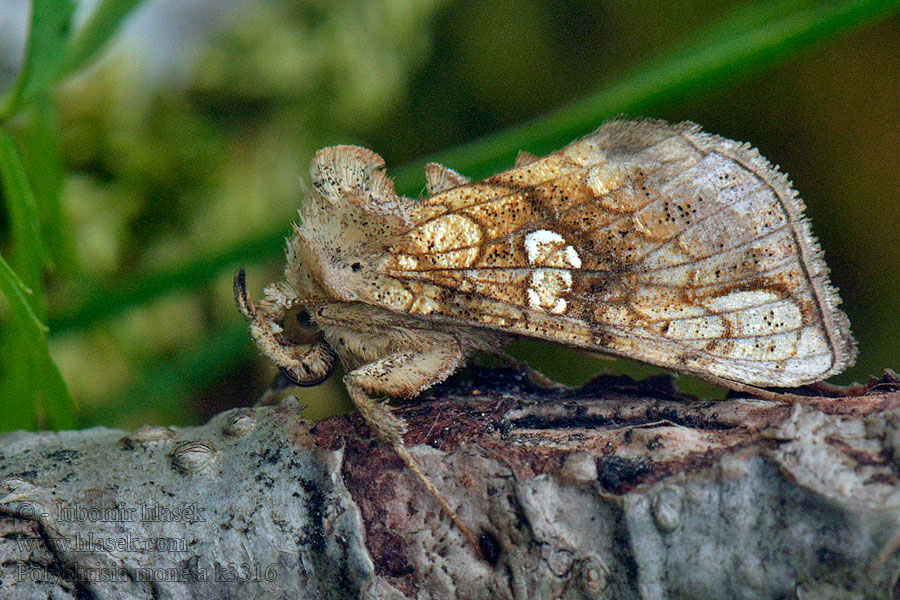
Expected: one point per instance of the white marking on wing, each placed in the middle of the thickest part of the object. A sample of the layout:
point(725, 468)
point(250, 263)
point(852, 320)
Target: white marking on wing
point(537, 242)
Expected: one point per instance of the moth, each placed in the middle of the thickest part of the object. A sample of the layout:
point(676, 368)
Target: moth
point(645, 240)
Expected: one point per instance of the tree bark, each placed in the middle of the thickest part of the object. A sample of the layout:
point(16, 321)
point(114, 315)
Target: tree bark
point(616, 490)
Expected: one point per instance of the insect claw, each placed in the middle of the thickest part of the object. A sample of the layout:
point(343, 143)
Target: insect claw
point(241, 297)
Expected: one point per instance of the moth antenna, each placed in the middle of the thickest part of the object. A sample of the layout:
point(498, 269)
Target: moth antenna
point(241, 297)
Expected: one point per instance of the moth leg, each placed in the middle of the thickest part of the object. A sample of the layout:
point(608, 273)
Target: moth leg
point(536, 376)
point(830, 389)
point(760, 393)
point(405, 374)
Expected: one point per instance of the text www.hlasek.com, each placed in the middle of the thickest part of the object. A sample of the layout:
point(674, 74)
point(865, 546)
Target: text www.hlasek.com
point(93, 543)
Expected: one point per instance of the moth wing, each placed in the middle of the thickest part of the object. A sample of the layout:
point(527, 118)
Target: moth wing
point(652, 241)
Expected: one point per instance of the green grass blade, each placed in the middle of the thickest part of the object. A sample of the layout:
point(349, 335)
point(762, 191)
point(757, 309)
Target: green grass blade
point(17, 296)
point(18, 395)
point(58, 403)
point(28, 240)
point(31, 377)
point(109, 301)
point(101, 27)
point(165, 387)
point(20, 203)
point(38, 138)
point(29, 370)
point(744, 43)
point(48, 36)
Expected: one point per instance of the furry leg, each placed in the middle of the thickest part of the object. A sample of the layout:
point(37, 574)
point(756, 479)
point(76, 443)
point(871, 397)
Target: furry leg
point(405, 374)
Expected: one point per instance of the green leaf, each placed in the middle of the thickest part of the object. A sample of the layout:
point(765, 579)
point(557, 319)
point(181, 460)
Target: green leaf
point(19, 200)
point(101, 27)
point(48, 36)
point(746, 42)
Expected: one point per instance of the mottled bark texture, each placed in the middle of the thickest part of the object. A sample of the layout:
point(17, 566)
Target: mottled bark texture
point(616, 490)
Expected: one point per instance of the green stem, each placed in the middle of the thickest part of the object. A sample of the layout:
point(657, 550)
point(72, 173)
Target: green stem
point(745, 43)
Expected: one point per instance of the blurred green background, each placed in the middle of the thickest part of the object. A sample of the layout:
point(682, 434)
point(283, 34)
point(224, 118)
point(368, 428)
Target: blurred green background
point(149, 189)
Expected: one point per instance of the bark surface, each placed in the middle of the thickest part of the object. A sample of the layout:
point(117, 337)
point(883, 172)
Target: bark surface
point(616, 490)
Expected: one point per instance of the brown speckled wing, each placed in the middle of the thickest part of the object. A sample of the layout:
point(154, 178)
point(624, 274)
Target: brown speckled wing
point(653, 241)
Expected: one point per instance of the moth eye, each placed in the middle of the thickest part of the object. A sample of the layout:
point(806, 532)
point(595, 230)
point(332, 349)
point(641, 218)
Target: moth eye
point(299, 328)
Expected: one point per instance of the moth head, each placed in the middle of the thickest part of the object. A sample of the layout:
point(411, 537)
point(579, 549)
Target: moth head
point(282, 328)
